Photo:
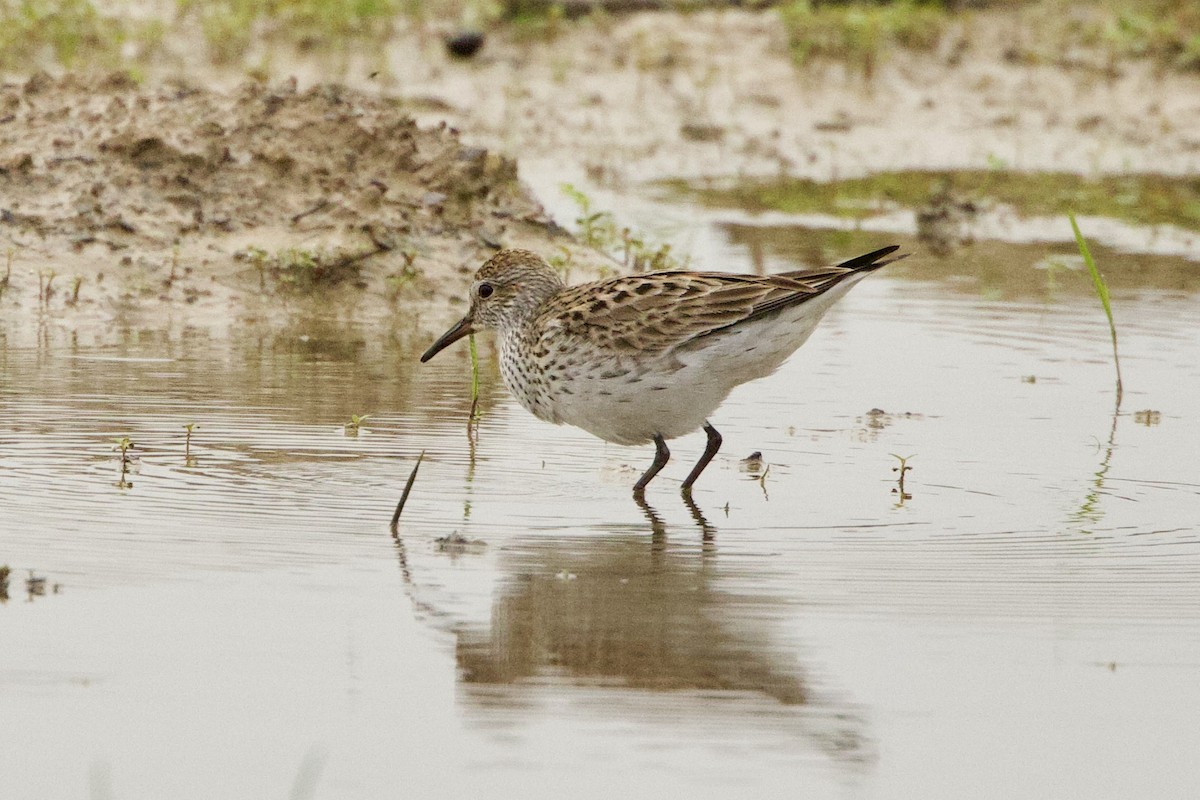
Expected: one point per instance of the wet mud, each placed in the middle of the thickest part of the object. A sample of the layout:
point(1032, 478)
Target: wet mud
point(117, 197)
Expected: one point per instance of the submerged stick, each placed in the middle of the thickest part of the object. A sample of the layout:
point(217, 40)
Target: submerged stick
point(1102, 292)
point(412, 476)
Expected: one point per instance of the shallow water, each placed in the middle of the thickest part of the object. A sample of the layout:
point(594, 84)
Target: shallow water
point(239, 622)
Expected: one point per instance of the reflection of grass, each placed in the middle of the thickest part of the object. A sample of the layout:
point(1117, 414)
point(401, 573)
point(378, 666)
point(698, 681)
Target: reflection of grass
point(599, 231)
point(1144, 199)
point(857, 33)
point(1090, 511)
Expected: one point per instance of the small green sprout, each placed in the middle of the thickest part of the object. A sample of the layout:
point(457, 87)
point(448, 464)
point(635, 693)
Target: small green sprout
point(124, 444)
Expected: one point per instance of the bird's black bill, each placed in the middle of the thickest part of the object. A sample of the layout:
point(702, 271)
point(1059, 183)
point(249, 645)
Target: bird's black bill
point(461, 328)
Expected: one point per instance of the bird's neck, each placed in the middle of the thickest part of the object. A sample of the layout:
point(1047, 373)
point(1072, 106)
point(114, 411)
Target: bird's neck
point(534, 300)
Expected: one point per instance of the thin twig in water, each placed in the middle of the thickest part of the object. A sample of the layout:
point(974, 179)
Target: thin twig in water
point(412, 476)
point(1102, 291)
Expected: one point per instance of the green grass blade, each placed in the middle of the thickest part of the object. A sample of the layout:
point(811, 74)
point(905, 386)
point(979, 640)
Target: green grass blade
point(1102, 292)
point(474, 380)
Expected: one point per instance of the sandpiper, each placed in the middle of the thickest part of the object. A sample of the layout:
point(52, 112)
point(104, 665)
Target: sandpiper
point(645, 358)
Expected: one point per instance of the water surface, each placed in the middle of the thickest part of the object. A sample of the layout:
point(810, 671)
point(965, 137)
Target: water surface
point(239, 620)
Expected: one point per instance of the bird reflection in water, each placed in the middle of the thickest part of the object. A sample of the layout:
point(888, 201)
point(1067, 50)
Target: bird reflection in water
point(617, 612)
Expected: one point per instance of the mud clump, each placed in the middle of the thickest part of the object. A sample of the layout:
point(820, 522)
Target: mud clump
point(944, 222)
point(100, 174)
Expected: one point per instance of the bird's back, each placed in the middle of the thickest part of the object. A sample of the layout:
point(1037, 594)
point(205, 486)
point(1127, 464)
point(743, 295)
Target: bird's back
point(633, 356)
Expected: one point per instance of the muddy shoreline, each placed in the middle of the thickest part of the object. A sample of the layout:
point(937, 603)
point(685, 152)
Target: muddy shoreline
point(216, 199)
point(120, 200)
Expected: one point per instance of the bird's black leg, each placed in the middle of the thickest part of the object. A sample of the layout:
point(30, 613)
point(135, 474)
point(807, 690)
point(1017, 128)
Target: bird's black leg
point(710, 450)
point(661, 454)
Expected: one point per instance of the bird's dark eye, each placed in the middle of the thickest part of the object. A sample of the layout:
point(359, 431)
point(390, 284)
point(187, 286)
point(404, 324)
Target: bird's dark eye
point(485, 290)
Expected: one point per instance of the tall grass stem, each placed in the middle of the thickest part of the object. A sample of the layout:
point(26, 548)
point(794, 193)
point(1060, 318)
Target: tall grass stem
point(1102, 292)
point(474, 382)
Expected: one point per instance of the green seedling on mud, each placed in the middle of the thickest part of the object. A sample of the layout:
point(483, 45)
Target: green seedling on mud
point(1102, 293)
point(356, 421)
point(599, 232)
point(297, 267)
point(596, 227)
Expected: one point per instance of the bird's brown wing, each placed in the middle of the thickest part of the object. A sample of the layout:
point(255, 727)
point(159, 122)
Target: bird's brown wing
point(664, 310)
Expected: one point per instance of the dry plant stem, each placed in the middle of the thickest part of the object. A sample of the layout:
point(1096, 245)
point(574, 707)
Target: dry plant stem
point(1102, 291)
point(412, 476)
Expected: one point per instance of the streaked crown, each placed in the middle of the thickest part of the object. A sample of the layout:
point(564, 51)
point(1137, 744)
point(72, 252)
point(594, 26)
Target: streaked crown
point(510, 287)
